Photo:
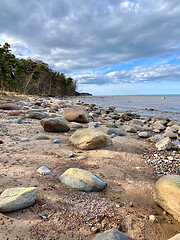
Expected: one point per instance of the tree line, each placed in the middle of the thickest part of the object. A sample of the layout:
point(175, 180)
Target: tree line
point(34, 77)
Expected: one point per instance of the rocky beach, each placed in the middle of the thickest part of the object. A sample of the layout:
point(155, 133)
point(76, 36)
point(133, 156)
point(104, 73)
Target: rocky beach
point(75, 170)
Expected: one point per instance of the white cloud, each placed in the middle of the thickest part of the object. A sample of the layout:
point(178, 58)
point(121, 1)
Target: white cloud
point(74, 35)
point(154, 74)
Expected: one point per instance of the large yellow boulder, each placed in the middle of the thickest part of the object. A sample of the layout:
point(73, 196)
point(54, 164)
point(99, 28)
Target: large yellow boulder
point(167, 194)
point(13, 199)
point(90, 139)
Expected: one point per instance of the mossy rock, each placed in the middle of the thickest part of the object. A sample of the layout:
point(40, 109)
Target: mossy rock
point(13, 199)
point(90, 139)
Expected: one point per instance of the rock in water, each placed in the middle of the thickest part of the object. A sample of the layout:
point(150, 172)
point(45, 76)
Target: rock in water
point(55, 125)
point(82, 180)
point(76, 114)
point(13, 199)
point(112, 234)
point(90, 139)
point(167, 194)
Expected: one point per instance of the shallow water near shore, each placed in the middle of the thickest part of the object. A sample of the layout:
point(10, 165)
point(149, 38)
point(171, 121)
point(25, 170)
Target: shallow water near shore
point(145, 105)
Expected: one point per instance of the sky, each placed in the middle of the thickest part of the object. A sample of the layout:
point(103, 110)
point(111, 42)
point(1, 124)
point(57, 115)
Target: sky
point(110, 47)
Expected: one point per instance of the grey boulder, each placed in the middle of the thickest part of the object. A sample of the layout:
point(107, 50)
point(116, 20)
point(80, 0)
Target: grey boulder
point(82, 180)
point(112, 234)
point(116, 132)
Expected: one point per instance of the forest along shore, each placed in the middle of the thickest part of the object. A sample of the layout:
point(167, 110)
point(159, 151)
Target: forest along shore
point(55, 148)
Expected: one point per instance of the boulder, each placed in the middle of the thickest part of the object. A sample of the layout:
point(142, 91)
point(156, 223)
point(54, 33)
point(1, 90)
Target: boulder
point(156, 138)
point(116, 132)
point(170, 134)
point(143, 134)
point(112, 234)
point(55, 125)
point(164, 144)
point(9, 106)
point(90, 139)
point(76, 125)
point(76, 114)
point(82, 180)
point(15, 113)
point(13, 199)
point(159, 126)
point(176, 237)
point(137, 122)
point(167, 194)
point(129, 128)
point(37, 115)
point(137, 127)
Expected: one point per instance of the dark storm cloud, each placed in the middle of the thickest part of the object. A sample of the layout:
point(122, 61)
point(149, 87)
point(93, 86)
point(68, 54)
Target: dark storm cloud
point(75, 35)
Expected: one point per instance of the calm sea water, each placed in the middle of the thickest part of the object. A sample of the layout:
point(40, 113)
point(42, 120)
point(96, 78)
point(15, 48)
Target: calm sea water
point(147, 105)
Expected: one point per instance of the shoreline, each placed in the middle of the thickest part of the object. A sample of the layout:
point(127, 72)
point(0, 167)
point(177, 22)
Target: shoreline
point(125, 204)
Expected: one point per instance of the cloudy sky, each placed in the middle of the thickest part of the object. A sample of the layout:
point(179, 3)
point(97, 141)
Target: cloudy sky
point(111, 47)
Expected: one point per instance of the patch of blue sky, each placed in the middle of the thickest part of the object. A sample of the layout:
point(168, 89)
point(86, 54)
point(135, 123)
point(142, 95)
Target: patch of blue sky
point(28, 50)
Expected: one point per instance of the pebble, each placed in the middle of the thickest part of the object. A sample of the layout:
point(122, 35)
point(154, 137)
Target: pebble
point(152, 218)
point(69, 155)
point(42, 137)
point(19, 121)
point(81, 157)
point(43, 170)
point(24, 139)
point(57, 140)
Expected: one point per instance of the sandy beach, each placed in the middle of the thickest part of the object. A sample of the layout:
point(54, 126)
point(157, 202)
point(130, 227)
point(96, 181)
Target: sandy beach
point(61, 212)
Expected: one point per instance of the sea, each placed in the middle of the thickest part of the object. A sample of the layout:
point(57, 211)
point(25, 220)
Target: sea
point(144, 105)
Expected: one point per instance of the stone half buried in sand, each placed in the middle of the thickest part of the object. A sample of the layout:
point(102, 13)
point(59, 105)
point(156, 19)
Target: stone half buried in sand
point(112, 234)
point(167, 194)
point(82, 180)
point(90, 139)
point(55, 124)
point(76, 114)
point(13, 199)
